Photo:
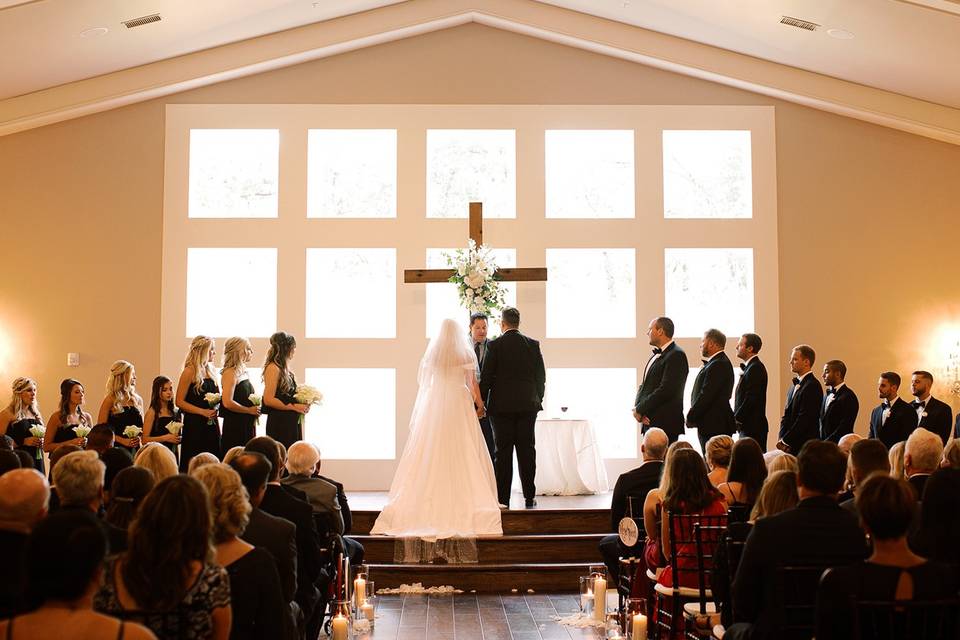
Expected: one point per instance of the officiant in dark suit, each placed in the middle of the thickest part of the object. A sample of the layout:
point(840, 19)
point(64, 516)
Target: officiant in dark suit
point(478, 336)
point(710, 411)
point(750, 399)
point(659, 400)
point(512, 382)
point(893, 420)
point(801, 415)
point(840, 406)
point(934, 415)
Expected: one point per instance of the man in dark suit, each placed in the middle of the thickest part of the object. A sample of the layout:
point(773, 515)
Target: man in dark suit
point(818, 532)
point(478, 337)
point(921, 457)
point(750, 397)
point(633, 487)
point(801, 415)
point(24, 494)
point(933, 415)
point(838, 412)
point(659, 400)
point(710, 411)
point(512, 384)
point(893, 420)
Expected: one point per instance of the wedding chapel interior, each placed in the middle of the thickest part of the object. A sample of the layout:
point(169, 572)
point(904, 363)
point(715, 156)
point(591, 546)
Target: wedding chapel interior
point(171, 169)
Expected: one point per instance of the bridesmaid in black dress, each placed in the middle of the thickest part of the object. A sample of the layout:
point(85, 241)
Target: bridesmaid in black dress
point(201, 429)
point(20, 415)
point(123, 406)
point(283, 412)
point(70, 414)
point(160, 413)
point(238, 411)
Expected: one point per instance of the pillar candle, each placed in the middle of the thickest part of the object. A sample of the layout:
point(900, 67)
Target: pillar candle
point(339, 627)
point(599, 598)
point(360, 591)
point(367, 610)
point(639, 627)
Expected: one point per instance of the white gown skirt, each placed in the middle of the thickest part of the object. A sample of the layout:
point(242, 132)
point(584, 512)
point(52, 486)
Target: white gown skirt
point(444, 486)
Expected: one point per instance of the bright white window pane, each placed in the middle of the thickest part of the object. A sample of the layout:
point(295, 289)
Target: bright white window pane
point(471, 165)
point(709, 288)
point(365, 279)
point(231, 292)
point(589, 174)
point(348, 426)
point(591, 293)
point(597, 395)
point(691, 434)
point(352, 173)
point(234, 173)
point(442, 299)
point(707, 174)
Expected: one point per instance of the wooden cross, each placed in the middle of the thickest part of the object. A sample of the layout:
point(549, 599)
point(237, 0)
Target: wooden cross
point(529, 274)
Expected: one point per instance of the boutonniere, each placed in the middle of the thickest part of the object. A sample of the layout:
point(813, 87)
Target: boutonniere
point(924, 414)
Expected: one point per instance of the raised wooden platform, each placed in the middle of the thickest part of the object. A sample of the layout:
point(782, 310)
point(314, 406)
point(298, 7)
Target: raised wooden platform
point(544, 549)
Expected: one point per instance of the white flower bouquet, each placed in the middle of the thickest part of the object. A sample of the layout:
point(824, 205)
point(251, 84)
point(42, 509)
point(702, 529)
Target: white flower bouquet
point(213, 400)
point(476, 280)
point(307, 395)
point(174, 428)
point(132, 431)
point(256, 401)
point(81, 430)
point(38, 431)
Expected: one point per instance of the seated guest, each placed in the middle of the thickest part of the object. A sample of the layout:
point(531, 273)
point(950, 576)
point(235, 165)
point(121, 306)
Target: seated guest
point(114, 461)
point(66, 553)
point(921, 457)
point(202, 458)
point(158, 460)
point(55, 457)
point(100, 438)
point(9, 461)
point(893, 420)
point(26, 459)
point(652, 507)
point(303, 459)
point(779, 494)
point(951, 454)
point(231, 453)
point(633, 485)
point(258, 608)
point(932, 414)
point(717, 455)
point(892, 572)
point(24, 494)
point(168, 579)
point(130, 487)
point(745, 477)
point(342, 499)
point(939, 528)
point(7, 443)
point(896, 460)
point(846, 442)
point(866, 458)
point(79, 481)
point(817, 532)
point(781, 462)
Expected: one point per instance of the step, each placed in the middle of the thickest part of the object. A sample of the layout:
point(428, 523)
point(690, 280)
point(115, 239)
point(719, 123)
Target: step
point(484, 578)
point(523, 521)
point(505, 549)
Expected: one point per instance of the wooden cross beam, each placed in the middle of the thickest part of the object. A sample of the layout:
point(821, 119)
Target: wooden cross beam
point(528, 274)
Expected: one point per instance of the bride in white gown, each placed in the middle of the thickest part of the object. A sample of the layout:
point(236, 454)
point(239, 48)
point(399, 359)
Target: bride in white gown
point(444, 486)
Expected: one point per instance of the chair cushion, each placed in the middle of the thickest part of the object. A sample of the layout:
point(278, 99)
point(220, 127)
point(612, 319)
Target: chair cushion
point(686, 593)
point(703, 622)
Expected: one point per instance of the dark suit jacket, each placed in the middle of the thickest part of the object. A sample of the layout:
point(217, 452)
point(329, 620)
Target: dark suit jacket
point(279, 502)
point(13, 573)
point(710, 410)
point(938, 416)
point(321, 495)
point(838, 419)
point(513, 377)
point(634, 483)
point(919, 481)
point(817, 532)
point(898, 427)
point(660, 396)
point(279, 537)
point(750, 402)
point(801, 415)
point(344, 505)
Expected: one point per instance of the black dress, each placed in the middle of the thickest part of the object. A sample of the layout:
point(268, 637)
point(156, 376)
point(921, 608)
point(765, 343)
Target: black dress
point(129, 417)
point(238, 428)
point(19, 430)
point(283, 425)
point(258, 607)
point(159, 428)
point(65, 432)
point(198, 434)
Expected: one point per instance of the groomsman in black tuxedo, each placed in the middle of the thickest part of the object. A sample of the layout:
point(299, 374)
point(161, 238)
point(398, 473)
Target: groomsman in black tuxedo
point(512, 382)
point(933, 415)
point(801, 415)
point(478, 336)
point(838, 413)
point(710, 411)
point(893, 420)
point(659, 400)
point(750, 400)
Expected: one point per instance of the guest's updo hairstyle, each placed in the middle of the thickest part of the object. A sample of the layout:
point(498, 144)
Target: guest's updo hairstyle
point(282, 345)
point(718, 451)
point(65, 551)
point(231, 510)
point(129, 489)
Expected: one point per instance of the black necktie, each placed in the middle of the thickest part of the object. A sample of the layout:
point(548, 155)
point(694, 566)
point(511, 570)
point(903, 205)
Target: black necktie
point(476, 349)
point(796, 381)
point(657, 351)
point(743, 367)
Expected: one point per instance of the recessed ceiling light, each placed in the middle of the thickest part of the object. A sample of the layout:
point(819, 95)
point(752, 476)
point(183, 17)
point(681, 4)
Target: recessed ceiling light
point(841, 34)
point(93, 32)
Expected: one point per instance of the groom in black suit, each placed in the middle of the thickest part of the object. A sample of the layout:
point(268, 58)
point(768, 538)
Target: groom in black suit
point(512, 382)
point(659, 400)
point(710, 411)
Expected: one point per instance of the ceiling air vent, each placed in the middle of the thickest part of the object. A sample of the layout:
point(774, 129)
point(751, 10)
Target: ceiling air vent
point(139, 22)
point(798, 23)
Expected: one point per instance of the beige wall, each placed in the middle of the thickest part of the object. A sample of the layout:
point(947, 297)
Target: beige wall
point(865, 213)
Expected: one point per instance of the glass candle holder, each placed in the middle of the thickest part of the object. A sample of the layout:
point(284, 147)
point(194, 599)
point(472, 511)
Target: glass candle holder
point(613, 630)
point(340, 627)
point(599, 580)
point(358, 592)
point(636, 618)
point(586, 595)
point(367, 609)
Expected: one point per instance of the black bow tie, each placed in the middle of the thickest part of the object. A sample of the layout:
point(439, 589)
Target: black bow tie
point(743, 367)
point(796, 381)
point(657, 351)
point(831, 391)
point(919, 403)
point(885, 405)
point(705, 360)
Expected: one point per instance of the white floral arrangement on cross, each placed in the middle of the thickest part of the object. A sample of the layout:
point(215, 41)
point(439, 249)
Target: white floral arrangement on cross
point(474, 274)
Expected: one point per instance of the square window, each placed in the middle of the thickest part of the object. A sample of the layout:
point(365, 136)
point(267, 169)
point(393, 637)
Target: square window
point(348, 426)
point(589, 174)
point(231, 292)
point(361, 280)
point(707, 174)
point(234, 173)
point(709, 288)
point(442, 299)
point(591, 293)
point(352, 173)
point(471, 165)
point(597, 395)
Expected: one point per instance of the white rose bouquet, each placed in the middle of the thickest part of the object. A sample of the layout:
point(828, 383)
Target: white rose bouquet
point(307, 395)
point(132, 431)
point(256, 401)
point(174, 428)
point(38, 431)
point(81, 430)
point(213, 399)
point(476, 280)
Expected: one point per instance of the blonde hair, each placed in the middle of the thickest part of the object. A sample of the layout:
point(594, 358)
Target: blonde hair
point(665, 474)
point(779, 493)
point(783, 462)
point(718, 451)
point(201, 460)
point(232, 453)
point(229, 499)
point(233, 352)
point(951, 454)
point(158, 460)
point(896, 459)
point(119, 388)
point(16, 406)
point(198, 357)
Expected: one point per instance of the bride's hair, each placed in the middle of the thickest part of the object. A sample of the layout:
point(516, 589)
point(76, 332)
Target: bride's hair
point(449, 349)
